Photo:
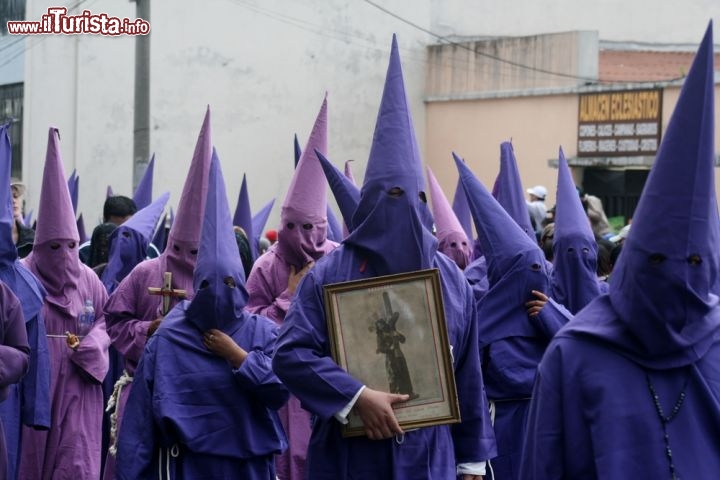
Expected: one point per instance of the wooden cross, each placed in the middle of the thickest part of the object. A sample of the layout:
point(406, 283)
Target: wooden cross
point(167, 292)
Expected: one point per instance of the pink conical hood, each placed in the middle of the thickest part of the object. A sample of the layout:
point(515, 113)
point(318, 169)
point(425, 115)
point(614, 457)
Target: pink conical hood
point(56, 219)
point(349, 173)
point(191, 208)
point(446, 222)
point(307, 194)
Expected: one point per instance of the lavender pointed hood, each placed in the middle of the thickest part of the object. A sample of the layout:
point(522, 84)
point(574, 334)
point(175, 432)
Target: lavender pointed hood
point(109, 192)
point(57, 268)
point(390, 222)
point(509, 190)
point(574, 281)
point(306, 203)
point(664, 288)
point(452, 240)
point(218, 280)
point(348, 172)
point(143, 193)
point(243, 217)
point(82, 233)
point(296, 150)
point(184, 237)
point(515, 265)
point(346, 194)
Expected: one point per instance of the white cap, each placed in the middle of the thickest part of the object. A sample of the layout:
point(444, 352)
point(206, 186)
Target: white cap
point(622, 234)
point(539, 191)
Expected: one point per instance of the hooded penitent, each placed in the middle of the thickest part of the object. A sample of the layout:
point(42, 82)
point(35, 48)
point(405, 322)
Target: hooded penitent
point(630, 388)
point(55, 258)
point(574, 279)
point(462, 210)
point(143, 193)
point(186, 395)
point(452, 240)
point(27, 403)
point(184, 237)
point(218, 281)
point(303, 234)
point(243, 217)
point(393, 204)
point(510, 345)
point(664, 287)
point(129, 242)
point(346, 194)
point(348, 172)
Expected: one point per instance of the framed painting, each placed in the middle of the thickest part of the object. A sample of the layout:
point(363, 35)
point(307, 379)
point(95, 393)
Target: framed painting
point(390, 333)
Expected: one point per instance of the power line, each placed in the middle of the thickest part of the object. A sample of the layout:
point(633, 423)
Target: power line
point(588, 80)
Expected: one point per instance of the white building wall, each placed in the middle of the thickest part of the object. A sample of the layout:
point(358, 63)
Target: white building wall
point(263, 67)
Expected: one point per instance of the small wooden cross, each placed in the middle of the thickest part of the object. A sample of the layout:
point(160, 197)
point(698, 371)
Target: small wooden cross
point(167, 292)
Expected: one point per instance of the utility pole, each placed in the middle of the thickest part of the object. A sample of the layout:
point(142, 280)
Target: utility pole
point(141, 122)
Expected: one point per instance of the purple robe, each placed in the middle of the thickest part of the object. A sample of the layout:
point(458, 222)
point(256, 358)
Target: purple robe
point(221, 421)
point(267, 288)
point(302, 361)
point(593, 416)
point(130, 310)
point(15, 355)
point(71, 448)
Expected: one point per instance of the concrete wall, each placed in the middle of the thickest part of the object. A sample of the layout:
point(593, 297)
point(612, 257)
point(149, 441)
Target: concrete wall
point(264, 66)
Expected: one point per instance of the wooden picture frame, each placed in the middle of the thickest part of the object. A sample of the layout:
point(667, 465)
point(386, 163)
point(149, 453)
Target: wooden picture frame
point(390, 333)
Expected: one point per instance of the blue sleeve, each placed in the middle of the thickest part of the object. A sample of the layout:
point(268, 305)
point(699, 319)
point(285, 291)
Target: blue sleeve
point(256, 376)
point(551, 318)
point(137, 443)
point(302, 357)
point(35, 387)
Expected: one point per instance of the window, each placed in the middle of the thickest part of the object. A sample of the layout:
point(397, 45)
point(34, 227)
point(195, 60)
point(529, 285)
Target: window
point(11, 111)
point(10, 10)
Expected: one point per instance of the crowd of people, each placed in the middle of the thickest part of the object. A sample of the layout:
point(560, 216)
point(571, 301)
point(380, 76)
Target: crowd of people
point(198, 347)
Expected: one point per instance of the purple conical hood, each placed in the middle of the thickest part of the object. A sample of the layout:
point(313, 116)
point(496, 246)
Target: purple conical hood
point(74, 189)
point(462, 210)
point(8, 252)
point(186, 226)
point(306, 203)
point(218, 280)
point(82, 233)
point(297, 150)
point(452, 240)
point(348, 172)
point(392, 229)
point(510, 193)
point(160, 237)
point(109, 192)
point(574, 280)
point(666, 283)
point(243, 217)
point(143, 193)
point(56, 218)
point(259, 220)
point(502, 239)
point(146, 219)
point(347, 195)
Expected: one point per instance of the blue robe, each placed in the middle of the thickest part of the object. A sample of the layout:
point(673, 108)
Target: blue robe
point(303, 362)
point(195, 416)
point(28, 402)
point(592, 415)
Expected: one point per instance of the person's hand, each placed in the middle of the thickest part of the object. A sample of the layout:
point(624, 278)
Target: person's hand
point(295, 277)
point(72, 340)
point(535, 306)
point(223, 346)
point(375, 410)
point(154, 325)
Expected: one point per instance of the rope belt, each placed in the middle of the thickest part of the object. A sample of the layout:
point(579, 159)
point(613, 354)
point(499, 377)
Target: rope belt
point(124, 379)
